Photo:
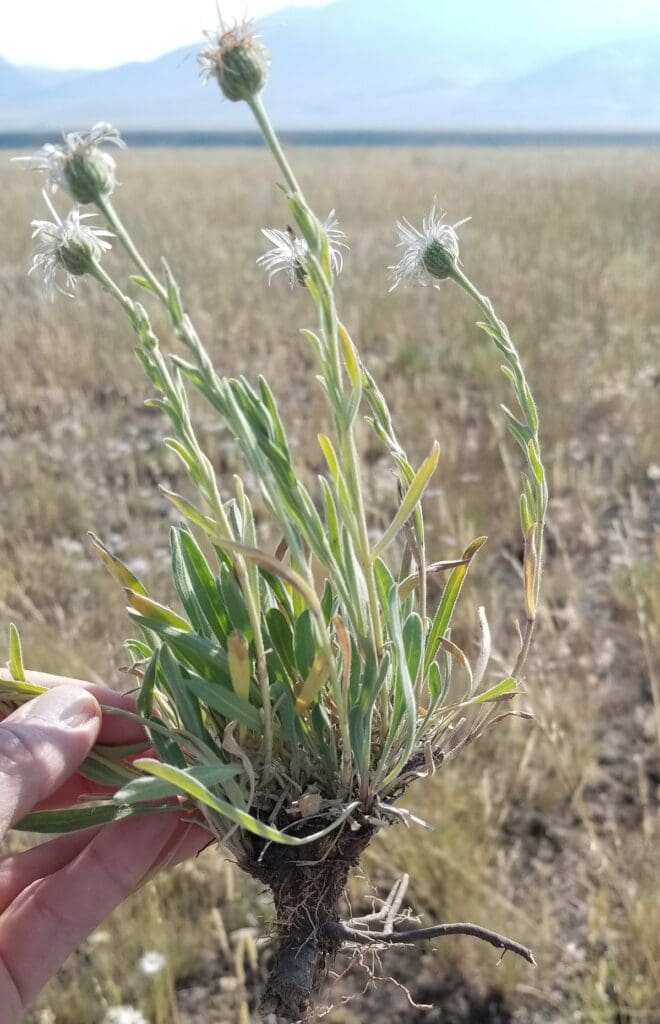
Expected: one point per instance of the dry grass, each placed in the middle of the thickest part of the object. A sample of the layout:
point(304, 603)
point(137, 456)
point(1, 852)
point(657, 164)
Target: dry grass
point(548, 832)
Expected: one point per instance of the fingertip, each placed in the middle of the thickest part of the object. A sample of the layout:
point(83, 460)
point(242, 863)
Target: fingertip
point(67, 706)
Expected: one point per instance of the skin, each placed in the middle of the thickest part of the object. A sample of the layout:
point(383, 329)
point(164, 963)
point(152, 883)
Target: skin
point(55, 894)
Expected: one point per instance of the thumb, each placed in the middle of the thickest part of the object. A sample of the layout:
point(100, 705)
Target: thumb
point(41, 745)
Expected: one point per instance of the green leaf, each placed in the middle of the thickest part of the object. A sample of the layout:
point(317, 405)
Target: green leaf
point(143, 283)
point(410, 499)
point(507, 686)
point(526, 517)
point(15, 663)
point(520, 431)
point(535, 461)
point(116, 567)
point(150, 609)
point(225, 701)
point(448, 601)
point(18, 688)
point(184, 585)
point(100, 769)
point(157, 789)
point(304, 643)
point(331, 517)
point(186, 702)
point(384, 583)
point(174, 303)
point(413, 641)
point(74, 819)
point(234, 602)
point(251, 824)
point(189, 511)
point(281, 638)
point(405, 707)
point(146, 695)
point(272, 564)
point(201, 654)
point(204, 585)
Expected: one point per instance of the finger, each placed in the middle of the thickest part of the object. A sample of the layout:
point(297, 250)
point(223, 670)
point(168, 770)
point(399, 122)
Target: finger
point(115, 729)
point(19, 870)
point(54, 915)
point(78, 785)
point(41, 744)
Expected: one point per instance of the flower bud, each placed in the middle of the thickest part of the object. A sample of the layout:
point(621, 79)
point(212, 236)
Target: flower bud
point(431, 251)
point(67, 245)
point(441, 254)
point(89, 174)
point(80, 166)
point(238, 61)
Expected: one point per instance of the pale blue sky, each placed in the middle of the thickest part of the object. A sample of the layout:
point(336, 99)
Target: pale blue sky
point(98, 33)
point(103, 33)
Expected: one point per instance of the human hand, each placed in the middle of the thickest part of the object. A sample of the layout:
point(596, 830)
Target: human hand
point(53, 895)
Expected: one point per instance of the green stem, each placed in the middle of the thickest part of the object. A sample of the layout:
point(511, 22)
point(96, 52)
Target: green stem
point(346, 435)
point(526, 403)
point(114, 222)
point(273, 143)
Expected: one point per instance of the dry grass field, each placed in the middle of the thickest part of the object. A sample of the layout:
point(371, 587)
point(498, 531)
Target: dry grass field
point(547, 830)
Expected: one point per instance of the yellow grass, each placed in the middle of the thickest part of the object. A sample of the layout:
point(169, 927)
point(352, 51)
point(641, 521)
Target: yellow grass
point(546, 831)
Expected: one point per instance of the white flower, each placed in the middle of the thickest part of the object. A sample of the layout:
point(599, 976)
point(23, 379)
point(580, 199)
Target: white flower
point(432, 251)
point(68, 245)
point(124, 1015)
point(79, 166)
point(289, 253)
point(152, 962)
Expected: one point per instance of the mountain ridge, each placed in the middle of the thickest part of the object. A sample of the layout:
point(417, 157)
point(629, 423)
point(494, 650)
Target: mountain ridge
point(352, 65)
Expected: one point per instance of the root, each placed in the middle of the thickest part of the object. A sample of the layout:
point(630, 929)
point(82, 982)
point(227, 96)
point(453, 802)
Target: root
point(309, 930)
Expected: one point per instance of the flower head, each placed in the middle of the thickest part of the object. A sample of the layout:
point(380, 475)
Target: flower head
point(237, 60)
point(151, 962)
point(79, 166)
point(432, 251)
point(67, 245)
point(289, 253)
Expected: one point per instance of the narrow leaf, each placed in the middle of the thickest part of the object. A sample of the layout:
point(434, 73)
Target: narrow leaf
point(15, 663)
point(410, 499)
point(251, 824)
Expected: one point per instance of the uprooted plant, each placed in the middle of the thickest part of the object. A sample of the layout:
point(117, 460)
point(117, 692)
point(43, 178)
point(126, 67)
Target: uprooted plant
point(297, 693)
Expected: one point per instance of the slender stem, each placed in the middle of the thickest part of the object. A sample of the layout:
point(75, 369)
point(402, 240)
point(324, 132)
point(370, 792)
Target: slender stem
point(523, 394)
point(106, 281)
point(273, 143)
point(112, 217)
point(524, 649)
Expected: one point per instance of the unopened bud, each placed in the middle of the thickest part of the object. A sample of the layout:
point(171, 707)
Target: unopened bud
point(238, 61)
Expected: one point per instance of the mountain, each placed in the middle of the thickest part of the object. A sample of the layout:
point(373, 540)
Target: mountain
point(381, 64)
point(612, 87)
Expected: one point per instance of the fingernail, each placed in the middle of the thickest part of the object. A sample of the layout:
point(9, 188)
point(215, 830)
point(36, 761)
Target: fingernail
point(64, 705)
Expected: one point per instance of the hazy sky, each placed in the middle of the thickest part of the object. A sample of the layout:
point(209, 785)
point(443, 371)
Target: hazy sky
point(98, 33)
